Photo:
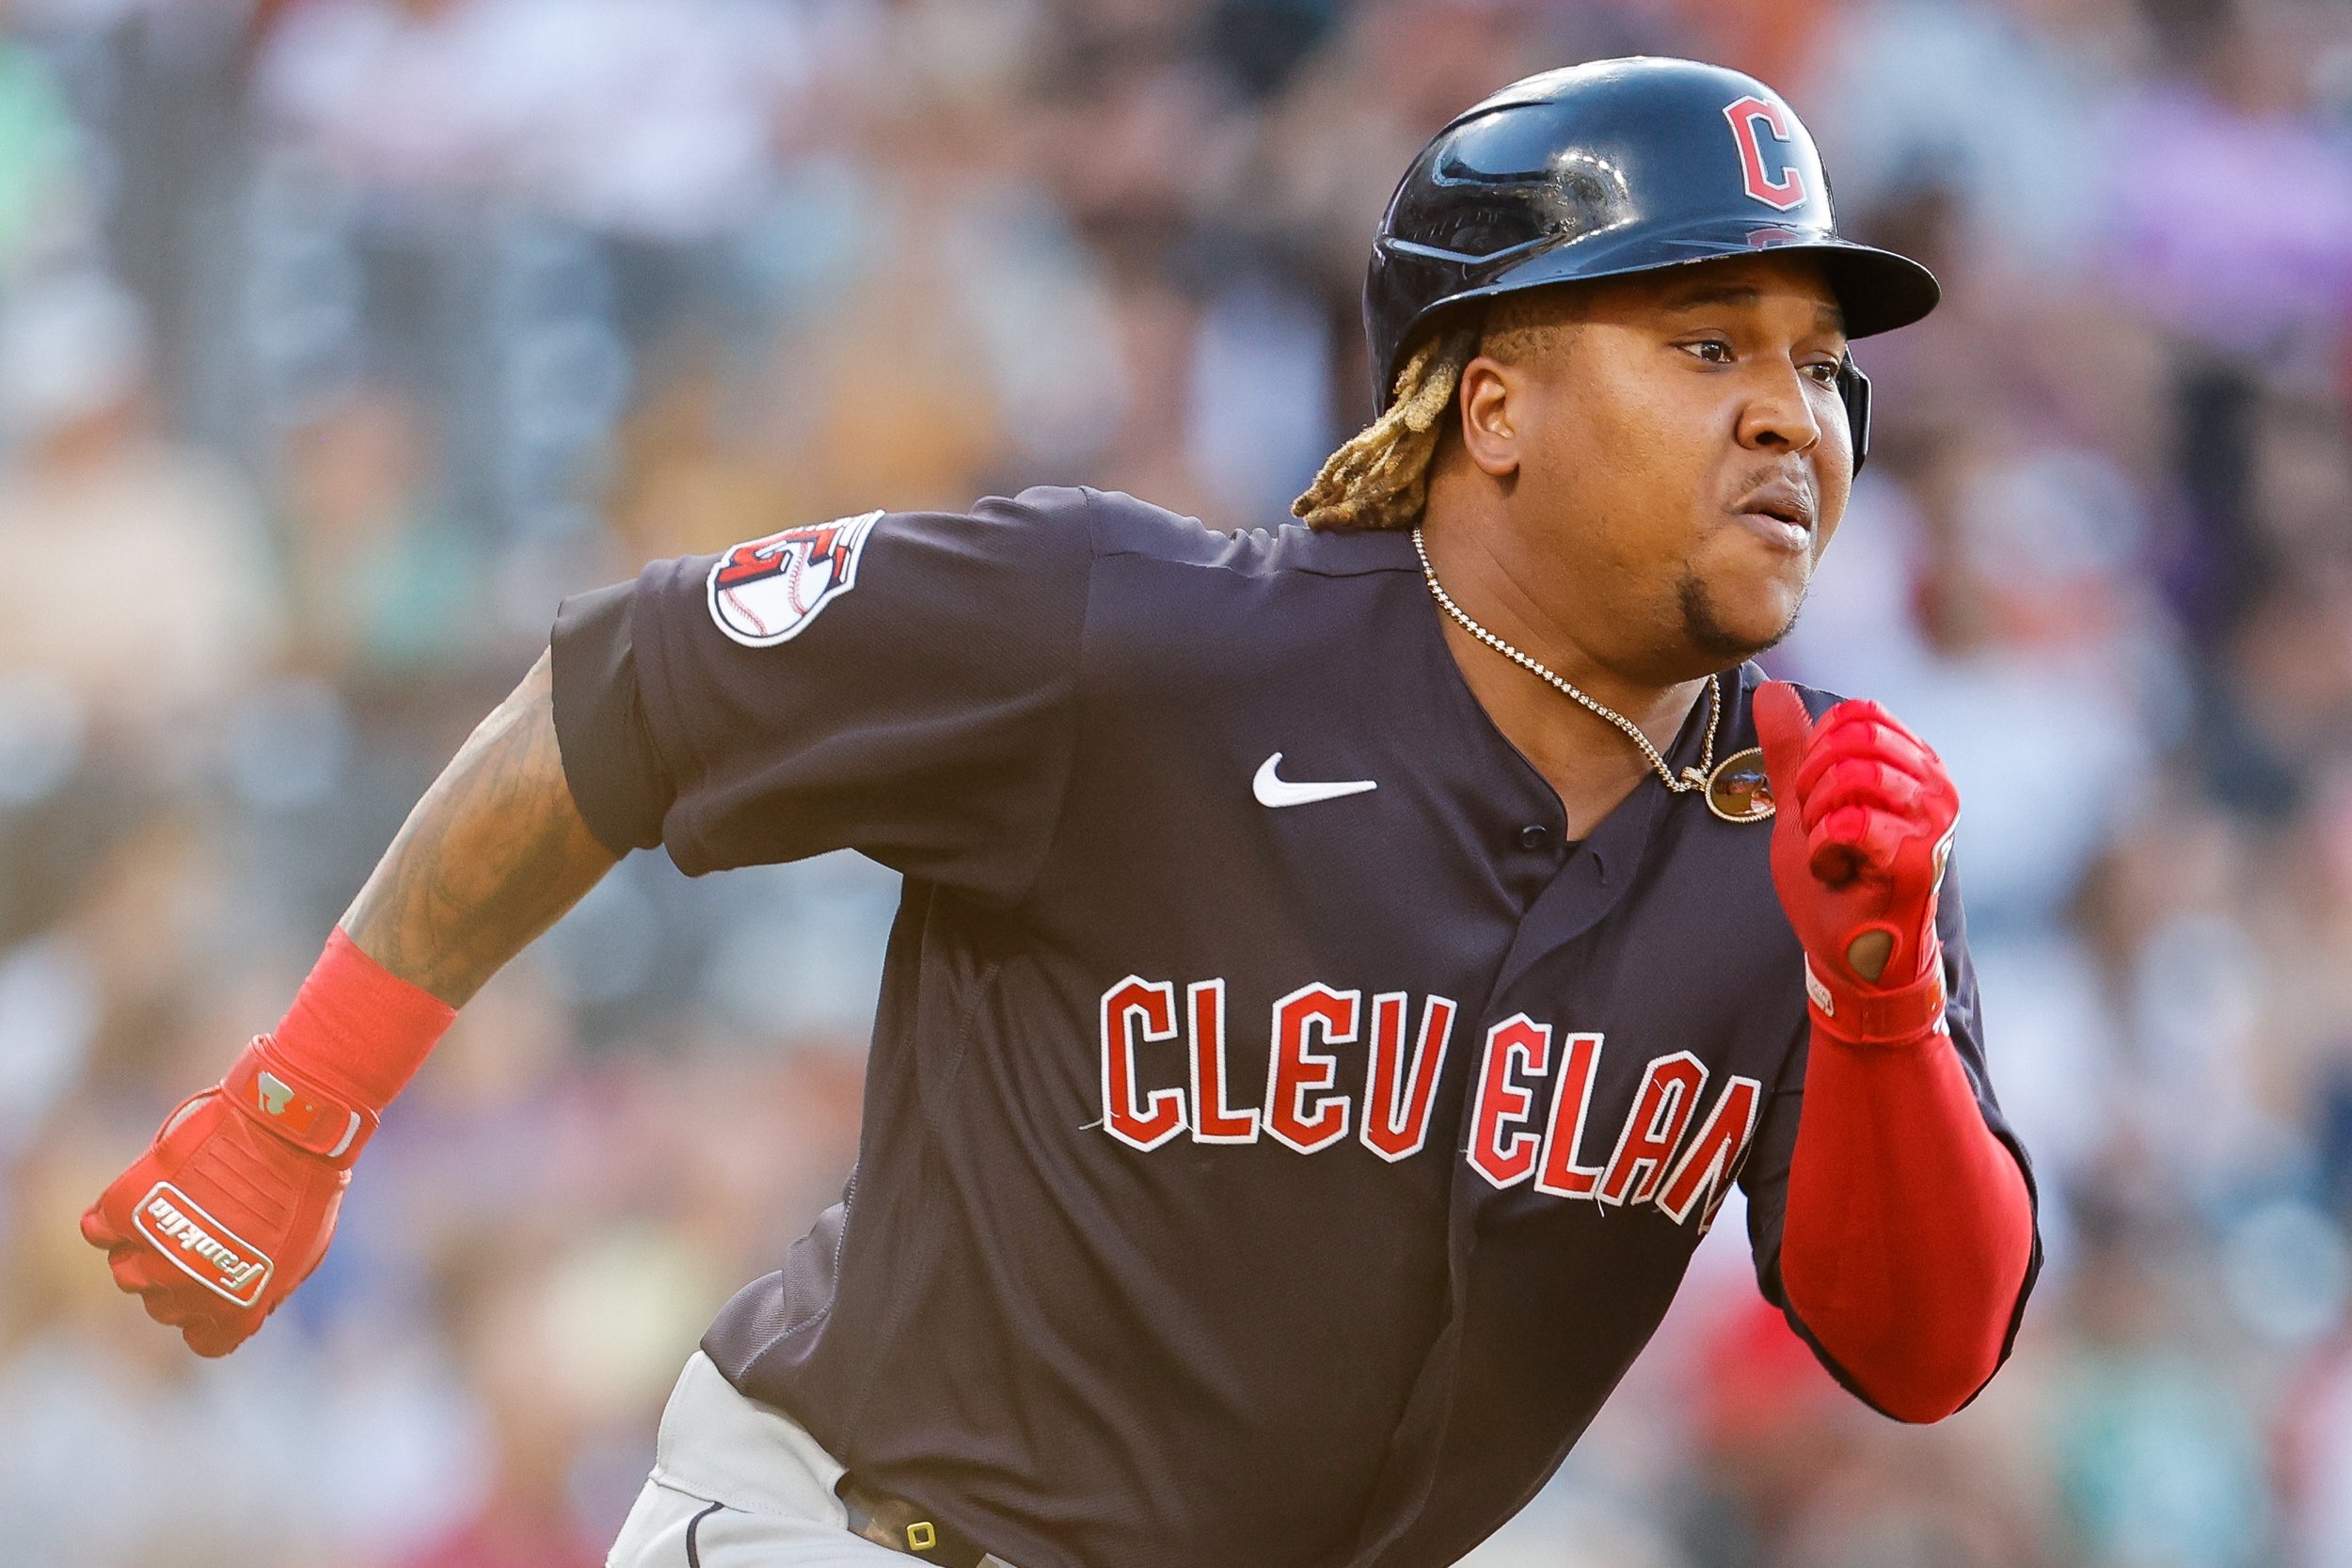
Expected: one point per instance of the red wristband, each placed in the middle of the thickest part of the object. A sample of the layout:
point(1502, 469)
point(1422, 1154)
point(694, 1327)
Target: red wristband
point(356, 1033)
point(295, 1106)
point(1864, 1017)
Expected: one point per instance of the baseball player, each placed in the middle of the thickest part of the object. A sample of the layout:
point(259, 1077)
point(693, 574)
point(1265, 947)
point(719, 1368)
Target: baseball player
point(1342, 968)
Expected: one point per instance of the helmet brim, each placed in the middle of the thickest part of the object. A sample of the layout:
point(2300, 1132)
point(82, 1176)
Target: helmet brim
point(1877, 291)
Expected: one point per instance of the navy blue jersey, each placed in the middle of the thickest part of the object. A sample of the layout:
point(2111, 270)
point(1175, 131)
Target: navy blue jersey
point(1279, 1137)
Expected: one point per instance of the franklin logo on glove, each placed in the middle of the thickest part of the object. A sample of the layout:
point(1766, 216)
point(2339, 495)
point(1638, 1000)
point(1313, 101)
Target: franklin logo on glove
point(190, 1238)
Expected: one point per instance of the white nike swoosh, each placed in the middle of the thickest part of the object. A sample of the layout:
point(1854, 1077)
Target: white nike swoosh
point(1273, 791)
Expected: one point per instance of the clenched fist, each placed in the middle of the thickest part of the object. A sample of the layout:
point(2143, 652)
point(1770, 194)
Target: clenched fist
point(231, 1208)
point(1862, 829)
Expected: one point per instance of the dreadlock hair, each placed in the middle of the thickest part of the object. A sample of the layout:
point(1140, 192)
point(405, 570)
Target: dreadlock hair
point(1380, 478)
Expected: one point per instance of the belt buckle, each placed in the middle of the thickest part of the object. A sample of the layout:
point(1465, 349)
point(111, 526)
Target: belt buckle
point(904, 1527)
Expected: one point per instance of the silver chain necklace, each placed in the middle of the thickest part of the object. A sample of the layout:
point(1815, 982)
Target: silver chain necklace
point(1693, 778)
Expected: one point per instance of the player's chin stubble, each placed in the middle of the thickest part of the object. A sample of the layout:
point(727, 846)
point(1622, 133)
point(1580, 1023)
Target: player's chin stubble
point(1703, 624)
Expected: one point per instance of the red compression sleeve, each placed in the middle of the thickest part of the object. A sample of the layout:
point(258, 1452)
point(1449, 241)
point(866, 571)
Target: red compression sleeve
point(1909, 1228)
point(360, 1029)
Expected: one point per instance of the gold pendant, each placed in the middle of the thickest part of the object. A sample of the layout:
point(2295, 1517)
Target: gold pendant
point(1738, 791)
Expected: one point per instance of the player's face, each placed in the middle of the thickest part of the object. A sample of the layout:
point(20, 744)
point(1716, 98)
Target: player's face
point(1679, 457)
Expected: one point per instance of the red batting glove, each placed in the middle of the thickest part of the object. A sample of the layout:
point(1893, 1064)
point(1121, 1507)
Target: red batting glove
point(231, 1208)
point(1862, 829)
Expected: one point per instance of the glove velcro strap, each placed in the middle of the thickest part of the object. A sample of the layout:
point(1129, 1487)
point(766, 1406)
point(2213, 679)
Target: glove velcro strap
point(297, 1107)
point(1878, 1016)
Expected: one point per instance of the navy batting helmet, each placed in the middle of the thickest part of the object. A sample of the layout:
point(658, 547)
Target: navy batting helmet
point(1620, 166)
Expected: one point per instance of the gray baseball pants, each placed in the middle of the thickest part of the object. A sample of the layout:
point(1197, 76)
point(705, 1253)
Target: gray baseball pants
point(740, 1484)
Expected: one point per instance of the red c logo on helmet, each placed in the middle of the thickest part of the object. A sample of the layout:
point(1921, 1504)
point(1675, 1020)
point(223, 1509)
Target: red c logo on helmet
point(1745, 115)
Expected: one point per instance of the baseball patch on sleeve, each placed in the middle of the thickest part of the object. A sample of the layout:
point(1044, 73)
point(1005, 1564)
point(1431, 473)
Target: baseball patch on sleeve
point(767, 591)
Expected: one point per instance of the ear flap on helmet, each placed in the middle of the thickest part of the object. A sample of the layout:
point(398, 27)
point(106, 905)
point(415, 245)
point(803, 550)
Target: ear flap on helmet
point(1855, 387)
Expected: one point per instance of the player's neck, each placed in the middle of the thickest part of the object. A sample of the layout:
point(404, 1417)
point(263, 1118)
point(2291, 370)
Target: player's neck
point(1591, 763)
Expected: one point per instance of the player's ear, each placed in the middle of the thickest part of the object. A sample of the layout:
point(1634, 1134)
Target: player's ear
point(1493, 397)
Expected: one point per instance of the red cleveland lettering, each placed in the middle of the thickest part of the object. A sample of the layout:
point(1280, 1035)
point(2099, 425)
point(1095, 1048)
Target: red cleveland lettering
point(1213, 1122)
point(1661, 1112)
point(1517, 1044)
point(1294, 1074)
point(1150, 1005)
point(1714, 1156)
point(1560, 1175)
point(1398, 1099)
point(1305, 1110)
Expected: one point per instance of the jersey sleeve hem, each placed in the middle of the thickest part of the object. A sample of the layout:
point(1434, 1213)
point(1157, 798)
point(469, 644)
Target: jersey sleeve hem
point(675, 744)
point(610, 766)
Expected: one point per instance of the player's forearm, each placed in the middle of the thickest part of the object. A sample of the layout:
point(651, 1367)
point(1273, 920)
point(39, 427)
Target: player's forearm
point(492, 855)
point(1908, 1230)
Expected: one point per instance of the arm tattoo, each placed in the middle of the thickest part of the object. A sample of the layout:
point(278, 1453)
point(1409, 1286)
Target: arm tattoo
point(491, 856)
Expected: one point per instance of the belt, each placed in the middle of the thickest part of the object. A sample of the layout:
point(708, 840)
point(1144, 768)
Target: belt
point(905, 1527)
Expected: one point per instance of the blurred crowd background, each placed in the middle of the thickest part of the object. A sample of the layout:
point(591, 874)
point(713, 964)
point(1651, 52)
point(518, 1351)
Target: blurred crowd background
point(340, 339)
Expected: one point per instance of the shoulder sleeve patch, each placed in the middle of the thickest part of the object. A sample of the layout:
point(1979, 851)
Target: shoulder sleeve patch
point(767, 591)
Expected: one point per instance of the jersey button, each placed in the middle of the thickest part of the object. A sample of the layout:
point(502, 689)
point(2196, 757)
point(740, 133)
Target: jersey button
point(1535, 838)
